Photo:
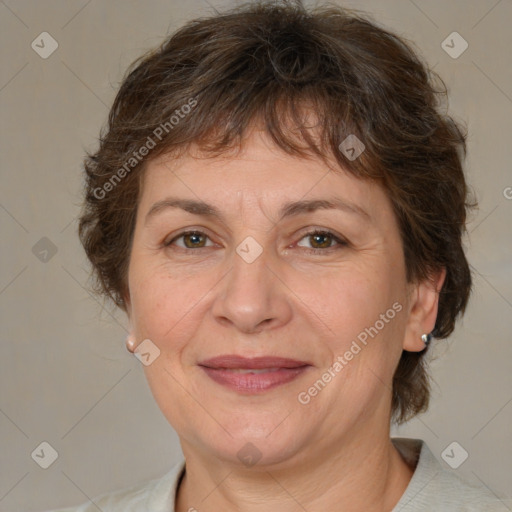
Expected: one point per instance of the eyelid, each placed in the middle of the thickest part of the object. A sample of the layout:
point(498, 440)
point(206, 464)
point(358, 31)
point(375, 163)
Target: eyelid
point(188, 231)
point(339, 240)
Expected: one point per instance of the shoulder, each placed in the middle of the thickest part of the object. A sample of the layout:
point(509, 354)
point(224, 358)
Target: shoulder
point(157, 495)
point(434, 487)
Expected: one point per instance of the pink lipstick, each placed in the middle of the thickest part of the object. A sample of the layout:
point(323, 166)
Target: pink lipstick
point(253, 375)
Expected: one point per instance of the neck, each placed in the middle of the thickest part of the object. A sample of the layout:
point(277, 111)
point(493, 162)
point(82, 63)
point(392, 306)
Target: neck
point(359, 476)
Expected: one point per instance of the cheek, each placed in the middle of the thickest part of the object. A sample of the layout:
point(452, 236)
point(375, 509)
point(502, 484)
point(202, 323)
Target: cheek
point(348, 301)
point(364, 317)
point(150, 302)
point(161, 300)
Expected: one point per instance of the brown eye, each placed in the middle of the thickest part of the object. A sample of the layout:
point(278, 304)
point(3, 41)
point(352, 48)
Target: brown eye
point(322, 240)
point(191, 240)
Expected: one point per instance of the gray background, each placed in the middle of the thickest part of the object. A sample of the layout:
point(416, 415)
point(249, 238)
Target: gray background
point(66, 377)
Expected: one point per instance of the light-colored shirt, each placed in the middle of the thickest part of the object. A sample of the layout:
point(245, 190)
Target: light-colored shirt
point(432, 488)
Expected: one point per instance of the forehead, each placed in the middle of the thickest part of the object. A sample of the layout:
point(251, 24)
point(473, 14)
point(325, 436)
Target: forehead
point(259, 175)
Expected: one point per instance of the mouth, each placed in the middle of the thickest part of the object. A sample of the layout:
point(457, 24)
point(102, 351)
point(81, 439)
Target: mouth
point(253, 375)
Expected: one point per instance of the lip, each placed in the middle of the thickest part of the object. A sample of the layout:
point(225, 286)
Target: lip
point(251, 363)
point(223, 370)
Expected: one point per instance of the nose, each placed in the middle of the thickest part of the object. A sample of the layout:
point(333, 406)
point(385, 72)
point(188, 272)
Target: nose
point(253, 296)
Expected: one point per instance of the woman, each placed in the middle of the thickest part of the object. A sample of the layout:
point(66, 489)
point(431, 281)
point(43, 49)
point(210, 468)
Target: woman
point(278, 205)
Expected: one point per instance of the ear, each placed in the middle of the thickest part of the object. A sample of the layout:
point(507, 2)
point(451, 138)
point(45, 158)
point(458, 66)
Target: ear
point(423, 306)
point(131, 340)
point(130, 337)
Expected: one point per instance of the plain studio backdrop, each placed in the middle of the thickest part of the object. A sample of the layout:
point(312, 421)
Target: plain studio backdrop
point(66, 378)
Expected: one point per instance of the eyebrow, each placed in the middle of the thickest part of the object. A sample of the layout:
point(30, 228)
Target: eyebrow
point(289, 209)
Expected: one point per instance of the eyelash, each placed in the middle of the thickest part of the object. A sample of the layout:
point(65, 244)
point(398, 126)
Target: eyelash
point(341, 242)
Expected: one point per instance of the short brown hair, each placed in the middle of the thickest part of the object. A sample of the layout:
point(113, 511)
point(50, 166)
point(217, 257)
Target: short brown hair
point(268, 60)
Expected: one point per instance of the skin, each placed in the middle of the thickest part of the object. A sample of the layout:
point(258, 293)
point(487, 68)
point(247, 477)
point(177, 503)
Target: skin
point(333, 453)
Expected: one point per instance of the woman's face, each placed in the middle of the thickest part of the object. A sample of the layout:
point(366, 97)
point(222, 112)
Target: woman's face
point(253, 281)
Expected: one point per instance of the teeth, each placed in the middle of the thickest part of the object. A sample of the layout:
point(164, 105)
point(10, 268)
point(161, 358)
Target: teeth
point(252, 370)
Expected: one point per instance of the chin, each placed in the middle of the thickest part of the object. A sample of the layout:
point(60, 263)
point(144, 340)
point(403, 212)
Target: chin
point(256, 441)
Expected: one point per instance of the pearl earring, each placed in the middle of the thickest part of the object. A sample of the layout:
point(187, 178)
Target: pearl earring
point(130, 343)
